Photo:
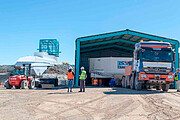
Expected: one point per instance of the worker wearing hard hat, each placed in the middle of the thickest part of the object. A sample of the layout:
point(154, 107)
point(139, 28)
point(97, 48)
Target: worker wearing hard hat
point(82, 78)
point(70, 77)
point(177, 79)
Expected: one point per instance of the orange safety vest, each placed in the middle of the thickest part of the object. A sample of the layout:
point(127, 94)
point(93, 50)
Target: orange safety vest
point(70, 75)
point(95, 82)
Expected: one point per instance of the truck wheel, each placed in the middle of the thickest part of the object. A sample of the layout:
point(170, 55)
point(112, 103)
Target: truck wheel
point(126, 82)
point(56, 82)
point(17, 87)
point(31, 84)
point(24, 84)
point(132, 82)
point(8, 86)
point(158, 87)
point(138, 86)
point(150, 87)
point(165, 87)
point(123, 82)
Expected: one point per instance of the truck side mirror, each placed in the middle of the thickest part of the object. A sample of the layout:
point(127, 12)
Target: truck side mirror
point(174, 56)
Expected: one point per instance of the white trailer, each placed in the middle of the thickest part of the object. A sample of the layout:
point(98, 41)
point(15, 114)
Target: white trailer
point(108, 67)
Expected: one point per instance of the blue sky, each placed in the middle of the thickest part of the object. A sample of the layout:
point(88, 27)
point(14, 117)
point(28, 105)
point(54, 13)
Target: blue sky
point(24, 22)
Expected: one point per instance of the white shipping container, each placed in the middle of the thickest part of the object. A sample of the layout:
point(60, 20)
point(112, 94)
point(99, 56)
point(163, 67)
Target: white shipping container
point(107, 66)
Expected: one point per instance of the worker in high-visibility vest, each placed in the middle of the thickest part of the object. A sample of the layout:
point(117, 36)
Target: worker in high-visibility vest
point(70, 77)
point(82, 78)
point(177, 79)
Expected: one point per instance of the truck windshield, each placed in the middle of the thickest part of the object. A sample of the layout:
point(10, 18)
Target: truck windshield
point(157, 55)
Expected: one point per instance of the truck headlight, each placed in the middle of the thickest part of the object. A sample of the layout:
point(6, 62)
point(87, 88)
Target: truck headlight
point(170, 76)
point(143, 76)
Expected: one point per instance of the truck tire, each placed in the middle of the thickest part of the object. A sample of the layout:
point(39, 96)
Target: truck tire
point(123, 82)
point(8, 86)
point(158, 87)
point(126, 83)
point(31, 84)
point(132, 82)
point(24, 84)
point(150, 87)
point(56, 82)
point(137, 85)
point(165, 87)
point(17, 87)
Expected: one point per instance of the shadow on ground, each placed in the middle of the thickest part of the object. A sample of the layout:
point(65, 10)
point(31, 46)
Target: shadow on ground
point(118, 91)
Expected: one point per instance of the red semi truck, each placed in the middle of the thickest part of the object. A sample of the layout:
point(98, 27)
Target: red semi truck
point(152, 65)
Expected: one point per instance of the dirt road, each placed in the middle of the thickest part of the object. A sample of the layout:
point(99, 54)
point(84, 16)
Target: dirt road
point(95, 104)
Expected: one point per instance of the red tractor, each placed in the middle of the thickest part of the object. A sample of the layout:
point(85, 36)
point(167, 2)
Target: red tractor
point(21, 78)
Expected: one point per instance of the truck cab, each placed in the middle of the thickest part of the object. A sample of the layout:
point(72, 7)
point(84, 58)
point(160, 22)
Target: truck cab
point(153, 65)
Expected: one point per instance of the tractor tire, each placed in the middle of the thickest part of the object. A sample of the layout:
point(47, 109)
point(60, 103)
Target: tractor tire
point(31, 84)
point(158, 87)
point(123, 82)
point(17, 87)
point(165, 87)
point(24, 84)
point(137, 85)
point(8, 86)
point(132, 82)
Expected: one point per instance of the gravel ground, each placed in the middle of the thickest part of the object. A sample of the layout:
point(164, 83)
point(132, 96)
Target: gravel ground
point(94, 104)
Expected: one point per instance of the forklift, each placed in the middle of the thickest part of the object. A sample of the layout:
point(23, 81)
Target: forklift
point(21, 78)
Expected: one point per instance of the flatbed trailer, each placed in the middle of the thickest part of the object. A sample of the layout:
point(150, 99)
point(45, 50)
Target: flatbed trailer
point(48, 82)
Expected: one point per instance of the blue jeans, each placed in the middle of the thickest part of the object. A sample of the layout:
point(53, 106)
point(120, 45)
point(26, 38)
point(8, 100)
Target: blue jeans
point(70, 83)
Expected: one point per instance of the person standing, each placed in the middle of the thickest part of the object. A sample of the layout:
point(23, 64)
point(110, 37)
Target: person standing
point(112, 82)
point(177, 79)
point(100, 82)
point(70, 77)
point(82, 78)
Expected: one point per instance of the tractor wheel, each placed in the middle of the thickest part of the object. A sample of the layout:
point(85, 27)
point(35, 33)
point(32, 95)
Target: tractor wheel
point(8, 86)
point(32, 84)
point(24, 84)
point(165, 87)
point(158, 87)
point(137, 85)
point(17, 87)
point(132, 82)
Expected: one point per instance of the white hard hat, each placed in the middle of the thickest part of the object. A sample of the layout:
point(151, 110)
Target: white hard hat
point(70, 67)
point(82, 68)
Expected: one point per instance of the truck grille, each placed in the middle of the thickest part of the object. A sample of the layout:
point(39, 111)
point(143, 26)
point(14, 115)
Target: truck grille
point(159, 70)
point(158, 79)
